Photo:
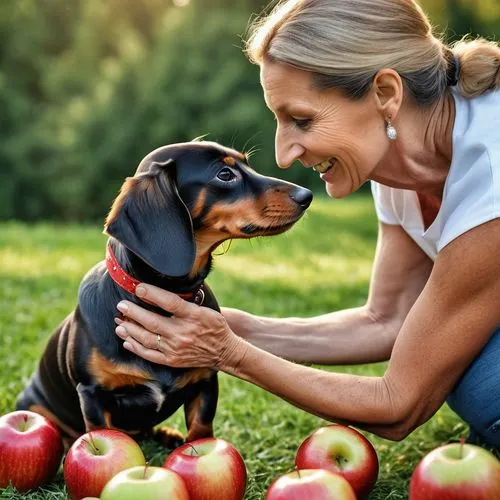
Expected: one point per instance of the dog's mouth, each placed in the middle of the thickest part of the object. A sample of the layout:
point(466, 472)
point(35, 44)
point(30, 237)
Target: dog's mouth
point(256, 230)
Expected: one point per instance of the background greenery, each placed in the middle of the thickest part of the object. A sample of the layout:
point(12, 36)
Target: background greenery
point(295, 274)
point(89, 87)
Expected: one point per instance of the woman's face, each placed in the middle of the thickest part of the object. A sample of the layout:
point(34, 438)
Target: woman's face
point(342, 139)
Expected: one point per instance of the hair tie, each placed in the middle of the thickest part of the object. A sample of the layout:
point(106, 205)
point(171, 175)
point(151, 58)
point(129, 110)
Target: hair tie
point(494, 84)
point(453, 72)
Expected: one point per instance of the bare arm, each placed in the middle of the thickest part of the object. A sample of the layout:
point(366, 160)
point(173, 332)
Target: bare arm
point(446, 328)
point(359, 335)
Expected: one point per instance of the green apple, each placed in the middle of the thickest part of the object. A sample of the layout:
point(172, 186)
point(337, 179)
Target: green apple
point(145, 483)
point(311, 484)
point(456, 471)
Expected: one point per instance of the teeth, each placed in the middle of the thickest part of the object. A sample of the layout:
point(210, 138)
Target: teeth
point(324, 166)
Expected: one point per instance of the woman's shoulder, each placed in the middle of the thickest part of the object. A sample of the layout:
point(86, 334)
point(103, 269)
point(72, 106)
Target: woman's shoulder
point(477, 119)
point(476, 141)
point(472, 189)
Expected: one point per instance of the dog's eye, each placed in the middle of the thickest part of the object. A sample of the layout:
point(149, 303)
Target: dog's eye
point(226, 175)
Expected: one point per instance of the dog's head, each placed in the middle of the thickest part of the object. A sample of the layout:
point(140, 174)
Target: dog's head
point(185, 199)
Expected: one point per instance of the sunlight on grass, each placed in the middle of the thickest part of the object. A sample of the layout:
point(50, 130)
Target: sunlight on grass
point(41, 264)
point(253, 270)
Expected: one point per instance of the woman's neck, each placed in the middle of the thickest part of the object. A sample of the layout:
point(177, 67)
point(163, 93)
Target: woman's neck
point(419, 159)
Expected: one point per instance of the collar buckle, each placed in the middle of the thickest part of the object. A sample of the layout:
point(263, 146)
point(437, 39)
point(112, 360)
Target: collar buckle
point(199, 297)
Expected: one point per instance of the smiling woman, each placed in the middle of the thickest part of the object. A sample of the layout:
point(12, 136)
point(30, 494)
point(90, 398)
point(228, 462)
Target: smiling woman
point(364, 90)
point(312, 125)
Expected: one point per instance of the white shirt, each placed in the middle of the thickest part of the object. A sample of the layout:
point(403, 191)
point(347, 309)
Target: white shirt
point(472, 189)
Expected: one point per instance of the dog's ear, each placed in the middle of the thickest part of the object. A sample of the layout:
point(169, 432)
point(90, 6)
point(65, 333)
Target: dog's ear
point(151, 220)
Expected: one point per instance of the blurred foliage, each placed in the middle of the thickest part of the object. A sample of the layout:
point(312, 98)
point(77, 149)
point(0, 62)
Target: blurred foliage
point(88, 87)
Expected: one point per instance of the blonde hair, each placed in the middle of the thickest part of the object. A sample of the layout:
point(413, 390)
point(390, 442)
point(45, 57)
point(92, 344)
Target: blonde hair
point(345, 43)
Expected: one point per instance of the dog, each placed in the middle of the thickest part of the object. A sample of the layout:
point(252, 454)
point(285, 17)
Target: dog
point(183, 202)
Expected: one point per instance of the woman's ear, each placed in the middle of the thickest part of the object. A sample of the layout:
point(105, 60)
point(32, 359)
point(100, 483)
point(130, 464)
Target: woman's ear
point(388, 91)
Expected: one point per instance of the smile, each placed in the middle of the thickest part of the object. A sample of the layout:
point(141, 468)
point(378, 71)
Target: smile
point(324, 166)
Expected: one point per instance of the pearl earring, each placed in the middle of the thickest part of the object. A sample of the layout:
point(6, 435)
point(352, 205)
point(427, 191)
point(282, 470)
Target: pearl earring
point(391, 132)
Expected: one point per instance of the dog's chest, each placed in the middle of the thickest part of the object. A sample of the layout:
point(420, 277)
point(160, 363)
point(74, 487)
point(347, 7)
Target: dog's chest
point(134, 398)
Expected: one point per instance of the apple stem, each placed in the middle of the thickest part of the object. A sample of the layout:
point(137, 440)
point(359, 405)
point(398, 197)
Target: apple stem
point(24, 425)
point(194, 449)
point(297, 470)
point(145, 470)
point(93, 444)
point(462, 443)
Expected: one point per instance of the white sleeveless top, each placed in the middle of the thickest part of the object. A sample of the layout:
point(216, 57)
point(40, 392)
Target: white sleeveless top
point(472, 189)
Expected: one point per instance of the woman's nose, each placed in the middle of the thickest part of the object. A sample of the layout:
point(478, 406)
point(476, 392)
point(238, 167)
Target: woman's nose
point(286, 151)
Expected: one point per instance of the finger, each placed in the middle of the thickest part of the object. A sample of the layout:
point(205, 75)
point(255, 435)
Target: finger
point(138, 333)
point(168, 301)
point(150, 354)
point(148, 319)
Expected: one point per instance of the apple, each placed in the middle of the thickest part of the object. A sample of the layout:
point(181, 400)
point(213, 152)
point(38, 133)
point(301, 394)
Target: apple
point(311, 484)
point(212, 469)
point(456, 471)
point(145, 483)
point(95, 457)
point(31, 449)
point(343, 450)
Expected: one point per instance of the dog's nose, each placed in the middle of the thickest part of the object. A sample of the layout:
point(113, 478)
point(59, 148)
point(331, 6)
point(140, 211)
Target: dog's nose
point(302, 196)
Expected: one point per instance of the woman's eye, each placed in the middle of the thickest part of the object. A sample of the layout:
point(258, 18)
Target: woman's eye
point(226, 175)
point(302, 123)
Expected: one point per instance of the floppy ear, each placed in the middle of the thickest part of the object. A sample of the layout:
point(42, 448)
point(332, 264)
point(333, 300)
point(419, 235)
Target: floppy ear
point(151, 220)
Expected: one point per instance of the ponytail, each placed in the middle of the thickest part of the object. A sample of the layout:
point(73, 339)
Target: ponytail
point(479, 66)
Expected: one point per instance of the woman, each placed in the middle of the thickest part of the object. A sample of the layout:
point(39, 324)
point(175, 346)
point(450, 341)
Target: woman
point(362, 90)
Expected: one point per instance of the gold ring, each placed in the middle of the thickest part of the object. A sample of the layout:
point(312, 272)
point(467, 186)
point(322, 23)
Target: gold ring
point(158, 340)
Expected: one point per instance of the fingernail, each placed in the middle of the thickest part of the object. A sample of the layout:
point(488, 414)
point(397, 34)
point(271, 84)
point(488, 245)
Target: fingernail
point(120, 331)
point(128, 346)
point(140, 291)
point(122, 307)
point(118, 321)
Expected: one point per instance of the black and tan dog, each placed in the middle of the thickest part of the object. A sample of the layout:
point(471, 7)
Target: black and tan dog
point(183, 201)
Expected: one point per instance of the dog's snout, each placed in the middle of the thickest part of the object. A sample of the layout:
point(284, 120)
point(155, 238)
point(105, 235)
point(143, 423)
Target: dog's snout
point(302, 196)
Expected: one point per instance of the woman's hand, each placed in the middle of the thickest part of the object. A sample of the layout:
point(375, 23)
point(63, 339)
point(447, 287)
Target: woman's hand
point(193, 337)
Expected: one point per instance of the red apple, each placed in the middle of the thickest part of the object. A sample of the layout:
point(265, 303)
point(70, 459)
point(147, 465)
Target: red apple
point(310, 484)
point(31, 449)
point(95, 458)
point(343, 450)
point(456, 472)
point(212, 469)
point(145, 483)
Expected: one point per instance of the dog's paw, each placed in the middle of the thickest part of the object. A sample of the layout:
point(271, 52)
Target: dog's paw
point(168, 437)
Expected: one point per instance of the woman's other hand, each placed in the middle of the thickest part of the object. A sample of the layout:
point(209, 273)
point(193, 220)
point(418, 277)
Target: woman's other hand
point(193, 337)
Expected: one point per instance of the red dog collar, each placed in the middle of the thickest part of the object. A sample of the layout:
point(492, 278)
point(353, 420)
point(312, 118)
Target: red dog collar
point(129, 284)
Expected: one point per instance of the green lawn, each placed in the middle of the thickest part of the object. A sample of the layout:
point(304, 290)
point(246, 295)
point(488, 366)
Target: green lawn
point(321, 265)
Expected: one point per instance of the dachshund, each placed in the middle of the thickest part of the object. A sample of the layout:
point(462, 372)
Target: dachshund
point(182, 203)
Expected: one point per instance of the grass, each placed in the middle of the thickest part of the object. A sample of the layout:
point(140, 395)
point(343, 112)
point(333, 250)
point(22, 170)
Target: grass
point(322, 265)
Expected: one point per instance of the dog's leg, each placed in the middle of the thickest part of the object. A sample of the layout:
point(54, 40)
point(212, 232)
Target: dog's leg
point(93, 415)
point(169, 438)
point(200, 410)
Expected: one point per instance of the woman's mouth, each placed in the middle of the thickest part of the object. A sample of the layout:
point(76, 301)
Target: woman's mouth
point(325, 166)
